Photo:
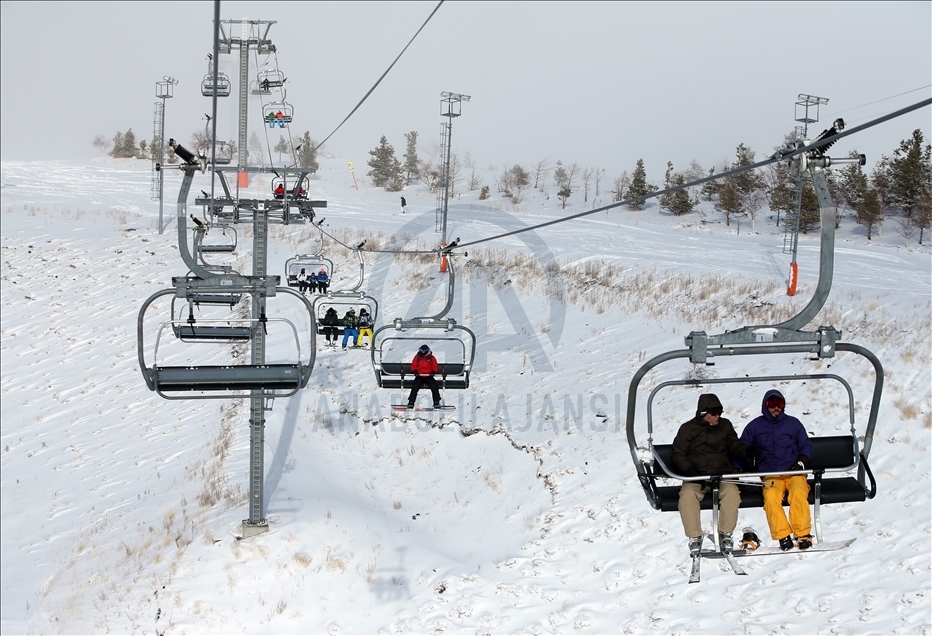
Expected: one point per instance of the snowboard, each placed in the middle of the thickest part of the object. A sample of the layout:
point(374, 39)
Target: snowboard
point(825, 546)
point(401, 408)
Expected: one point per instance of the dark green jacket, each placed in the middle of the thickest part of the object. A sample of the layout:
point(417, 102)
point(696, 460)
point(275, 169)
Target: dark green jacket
point(709, 449)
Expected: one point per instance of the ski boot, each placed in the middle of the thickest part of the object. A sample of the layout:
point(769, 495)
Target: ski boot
point(750, 541)
point(724, 542)
point(695, 546)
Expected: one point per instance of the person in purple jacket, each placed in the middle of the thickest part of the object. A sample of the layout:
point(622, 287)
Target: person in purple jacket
point(782, 445)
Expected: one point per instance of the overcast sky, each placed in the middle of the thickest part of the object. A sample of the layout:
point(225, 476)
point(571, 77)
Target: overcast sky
point(601, 84)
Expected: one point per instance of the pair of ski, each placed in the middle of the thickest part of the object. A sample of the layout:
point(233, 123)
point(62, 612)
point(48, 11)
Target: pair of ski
point(731, 557)
point(712, 554)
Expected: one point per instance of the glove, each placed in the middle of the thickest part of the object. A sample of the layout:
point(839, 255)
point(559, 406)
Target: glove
point(692, 471)
point(802, 463)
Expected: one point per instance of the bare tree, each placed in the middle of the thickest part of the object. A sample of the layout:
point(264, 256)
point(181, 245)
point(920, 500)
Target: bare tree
point(586, 178)
point(621, 184)
point(255, 149)
point(101, 143)
point(597, 175)
point(753, 204)
point(905, 228)
point(456, 176)
point(540, 170)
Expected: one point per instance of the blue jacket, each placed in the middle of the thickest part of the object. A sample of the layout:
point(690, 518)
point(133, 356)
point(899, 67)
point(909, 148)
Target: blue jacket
point(781, 441)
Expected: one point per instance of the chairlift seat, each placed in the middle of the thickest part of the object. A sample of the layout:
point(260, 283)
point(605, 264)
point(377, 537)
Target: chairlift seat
point(211, 332)
point(228, 378)
point(213, 249)
point(397, 375)
point(830, 453)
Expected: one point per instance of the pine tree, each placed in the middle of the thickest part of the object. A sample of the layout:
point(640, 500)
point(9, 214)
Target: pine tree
point(386, 169)
point(307, 152)
point(281, 147)
point(680, 202)
point(411, 160)
point(710, 188)
point(809, 213)
point(869, 210)
point(852, 181)
point(639, 186)
point(129, 145)
point(564, 193)
point(117, 149)
point(910, 173)
point(729, 201)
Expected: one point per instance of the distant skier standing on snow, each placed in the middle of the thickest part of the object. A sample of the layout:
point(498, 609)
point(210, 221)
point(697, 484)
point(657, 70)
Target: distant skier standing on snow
point(705, 445)
point(424, 366)
point(784, 445)
point(404, 205)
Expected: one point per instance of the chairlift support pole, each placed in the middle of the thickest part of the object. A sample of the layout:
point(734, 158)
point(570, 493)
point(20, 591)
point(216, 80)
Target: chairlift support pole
point(804, 106)
point(163, 90)
point(451, 104)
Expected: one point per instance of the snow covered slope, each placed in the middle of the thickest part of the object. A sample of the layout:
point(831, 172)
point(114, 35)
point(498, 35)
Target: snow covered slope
point(519, 512)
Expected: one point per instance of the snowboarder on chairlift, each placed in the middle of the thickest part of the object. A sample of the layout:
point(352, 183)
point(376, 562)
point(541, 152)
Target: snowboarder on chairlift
point(279, 191)
point(350, 327)
point(424, 366)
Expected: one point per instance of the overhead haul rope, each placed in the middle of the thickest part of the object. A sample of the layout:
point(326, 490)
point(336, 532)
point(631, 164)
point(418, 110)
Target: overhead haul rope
point(781, 155)
point(877, 101)
point(379, 81)
point(777, 156)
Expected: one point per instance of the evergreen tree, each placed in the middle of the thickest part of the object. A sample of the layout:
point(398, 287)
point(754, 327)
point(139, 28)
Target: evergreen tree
point(729, 201)
point(117, 149)
point(411, 161)
point(307, 152)
point(781, 189)
point(560, 177)
point(869, 210)
point(852, 182)
point(666, 200)
point(809, 214)
point(910, 173)
point(484, 193)
point(386, 169)
point(129, 144)
point(281, 147)
point(143, 150)
point(564, 193)
point(680, 202)
point(710, 188)
point(639, 186)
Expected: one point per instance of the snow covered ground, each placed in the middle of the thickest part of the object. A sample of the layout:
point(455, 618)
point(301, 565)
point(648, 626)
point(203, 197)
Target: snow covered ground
point(519, 512)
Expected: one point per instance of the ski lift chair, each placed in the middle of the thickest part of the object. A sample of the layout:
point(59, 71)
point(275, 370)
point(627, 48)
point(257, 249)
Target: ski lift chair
point(277, 114)
point(193, 330)
point(311, 263)
point(221, 247)
point(183, 381)
point(342, 302)
point(222, 85)
point(453, 345)
point(835, 457)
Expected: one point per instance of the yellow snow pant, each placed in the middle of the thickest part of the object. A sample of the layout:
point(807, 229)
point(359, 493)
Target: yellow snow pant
point(691, 496)
point(364, 331)
point(797, 489)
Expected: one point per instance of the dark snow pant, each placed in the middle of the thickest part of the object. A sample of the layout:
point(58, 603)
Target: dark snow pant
point(421, 380)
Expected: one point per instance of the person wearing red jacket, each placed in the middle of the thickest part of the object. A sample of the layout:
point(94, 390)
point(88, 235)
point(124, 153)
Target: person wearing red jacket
point(424, 366)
